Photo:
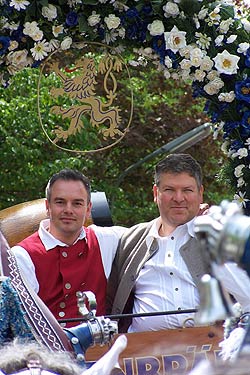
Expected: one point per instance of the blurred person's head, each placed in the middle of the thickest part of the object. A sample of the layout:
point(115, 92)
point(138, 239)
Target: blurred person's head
point(17, 356)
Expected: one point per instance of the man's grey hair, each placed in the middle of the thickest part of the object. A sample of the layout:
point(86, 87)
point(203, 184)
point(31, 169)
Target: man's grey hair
point(179, 163)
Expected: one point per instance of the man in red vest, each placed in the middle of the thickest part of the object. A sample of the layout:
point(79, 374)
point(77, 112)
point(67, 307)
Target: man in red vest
point(63, 257)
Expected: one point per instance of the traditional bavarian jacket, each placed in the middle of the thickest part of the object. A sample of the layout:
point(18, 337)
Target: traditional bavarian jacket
point(62, 271)
point(131, 256)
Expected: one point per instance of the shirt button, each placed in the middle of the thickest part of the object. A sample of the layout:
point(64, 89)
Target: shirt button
point(176, 289)
point(61, 314)
point(171, 273)
point(169, 255)
point(172, 238)
point(179, 309)
point(64, 254)
point(67, 285)
point(63, 325)
point(62, 305)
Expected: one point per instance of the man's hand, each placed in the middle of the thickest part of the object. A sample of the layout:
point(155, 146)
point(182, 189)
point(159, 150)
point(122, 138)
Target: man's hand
point(204, 207)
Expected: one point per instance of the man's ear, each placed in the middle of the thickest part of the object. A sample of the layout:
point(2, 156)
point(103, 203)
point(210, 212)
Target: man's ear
point(47, 206)
point(155, 193)
point(89, 208)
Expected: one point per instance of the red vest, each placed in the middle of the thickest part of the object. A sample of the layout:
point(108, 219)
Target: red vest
point(62, 271)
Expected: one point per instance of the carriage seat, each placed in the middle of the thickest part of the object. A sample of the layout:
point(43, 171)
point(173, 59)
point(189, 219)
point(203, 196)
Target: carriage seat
point(21, 220)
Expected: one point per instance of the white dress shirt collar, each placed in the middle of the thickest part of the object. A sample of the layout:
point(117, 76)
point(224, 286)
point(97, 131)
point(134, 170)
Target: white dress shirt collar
point(154, 230)
point(50, 241)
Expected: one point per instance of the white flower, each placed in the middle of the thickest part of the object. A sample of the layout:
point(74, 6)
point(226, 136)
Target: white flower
point(175, 39)
point(122, 33)
point(214, 16)
point(185, 74)
point(202, 13)
point(185, 64)
point(56, 30)
point(11, 26)
point(29, 27)
point(49, 12)
point(242, 153)
point(196, 22)
point(199, 75)
point(171, 9)
point(168, 62)
point(224, 147)
point(227, 97)
point(247, 143)
point(166, 73)
point(66, 43)
point(196, 55)
point(112, 21)
point(240, 199)
point(212, 75)
point(37, 36)
point(224, 25)
point(241, 182)
point(243, 47)
point(32, 30)
point(17, 60)
point(40, 50)
point(175, 76)
point(206, 64)
point(203, 40)
point(53, 44)
point(13, 45)
point(185, 51)
point(19, 4)
point(231, 39)
point(218, 41)
point(94, 19)
point(238, 171)
point(156, 28)
point(246, 25)
point(226, 62)
point(214, 86)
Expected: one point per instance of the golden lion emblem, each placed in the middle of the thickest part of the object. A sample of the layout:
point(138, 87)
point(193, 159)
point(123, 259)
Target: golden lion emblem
point(80, 88)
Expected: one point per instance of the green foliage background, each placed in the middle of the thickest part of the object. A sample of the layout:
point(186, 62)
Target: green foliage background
point(162, 111)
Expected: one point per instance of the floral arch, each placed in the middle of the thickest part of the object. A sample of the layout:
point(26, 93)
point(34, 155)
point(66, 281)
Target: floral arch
point(203, 42)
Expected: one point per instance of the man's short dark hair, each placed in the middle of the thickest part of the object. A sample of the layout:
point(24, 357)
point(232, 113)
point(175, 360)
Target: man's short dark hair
point(179, 163)
point(68, 175)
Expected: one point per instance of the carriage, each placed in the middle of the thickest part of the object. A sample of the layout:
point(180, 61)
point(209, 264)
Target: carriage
point(155, 352)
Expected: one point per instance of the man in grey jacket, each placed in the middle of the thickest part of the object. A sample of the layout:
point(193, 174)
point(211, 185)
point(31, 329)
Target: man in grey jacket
point(159, 264)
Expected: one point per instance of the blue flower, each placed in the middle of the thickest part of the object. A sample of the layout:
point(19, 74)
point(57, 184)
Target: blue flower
point(147, 9)
point(159, 46)
point(72, 19)
point(132, 13)
point(236, 145)
point(242, 90)
point(4, 44)
point(247, 59)
point(246, 120)
point(131, 32)
point(229, 127)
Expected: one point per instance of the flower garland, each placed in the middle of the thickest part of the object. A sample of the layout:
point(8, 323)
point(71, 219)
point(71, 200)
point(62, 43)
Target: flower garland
point(202, 42)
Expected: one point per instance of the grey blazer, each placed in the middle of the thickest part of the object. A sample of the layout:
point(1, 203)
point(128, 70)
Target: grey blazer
point(132, 254)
